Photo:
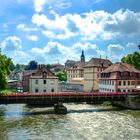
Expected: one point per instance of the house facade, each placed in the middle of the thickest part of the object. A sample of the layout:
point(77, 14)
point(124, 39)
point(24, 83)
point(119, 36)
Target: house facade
point(41, 80)
point(76, 70)
point(120, 77)
point(91, 71)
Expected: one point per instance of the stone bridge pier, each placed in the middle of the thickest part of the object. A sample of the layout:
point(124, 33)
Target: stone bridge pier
point(59, 108)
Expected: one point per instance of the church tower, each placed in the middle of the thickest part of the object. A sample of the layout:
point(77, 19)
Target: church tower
point(82, 56)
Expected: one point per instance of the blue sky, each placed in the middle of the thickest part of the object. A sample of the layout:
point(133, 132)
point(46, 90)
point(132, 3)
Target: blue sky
point(49, 31)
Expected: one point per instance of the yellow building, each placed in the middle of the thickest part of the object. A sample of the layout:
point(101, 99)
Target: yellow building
point(76, 70)
point(91, 70)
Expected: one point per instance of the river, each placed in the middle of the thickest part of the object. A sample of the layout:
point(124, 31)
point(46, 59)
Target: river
point(82, 122)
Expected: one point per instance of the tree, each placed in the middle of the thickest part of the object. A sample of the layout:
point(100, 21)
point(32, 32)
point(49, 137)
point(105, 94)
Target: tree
point(49, 66)
point(62, 76)
point(132, 59)
point(32, 65)
point(5, 66)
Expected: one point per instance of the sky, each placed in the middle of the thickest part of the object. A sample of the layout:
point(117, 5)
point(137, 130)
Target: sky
point(52, 31)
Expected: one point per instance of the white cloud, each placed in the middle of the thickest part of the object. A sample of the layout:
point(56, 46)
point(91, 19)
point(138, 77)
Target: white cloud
point(123, 23)
point(39, 5)
point(52, 52)
point(52, 48)
point(24, 28)
point(131, 45)
point(11, 43)
point(5, 26)
point(11, 46)
point(115, 49)
point(89, 26)
point(56, 28)
point(32, 38)
point(55, 50)
point(115, 52)
point(21, 57)
point(56, 4)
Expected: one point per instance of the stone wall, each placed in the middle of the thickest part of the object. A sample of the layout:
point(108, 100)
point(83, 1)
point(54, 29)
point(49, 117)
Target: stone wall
point(130, 103)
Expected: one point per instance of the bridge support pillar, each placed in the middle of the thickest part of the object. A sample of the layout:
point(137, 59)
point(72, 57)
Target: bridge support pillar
point(59, 108)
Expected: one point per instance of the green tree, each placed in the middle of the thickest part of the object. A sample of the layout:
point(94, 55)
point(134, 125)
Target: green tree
point(32, 65)
point(5, 66)
point(62, 76)
point(49, 66)
point(132, 59)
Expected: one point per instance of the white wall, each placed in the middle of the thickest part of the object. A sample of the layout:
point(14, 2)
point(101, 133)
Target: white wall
point(50, 84)
point(106, 86)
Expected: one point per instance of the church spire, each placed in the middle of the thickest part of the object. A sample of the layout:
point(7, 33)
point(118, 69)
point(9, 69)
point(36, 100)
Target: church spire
point(82, 56)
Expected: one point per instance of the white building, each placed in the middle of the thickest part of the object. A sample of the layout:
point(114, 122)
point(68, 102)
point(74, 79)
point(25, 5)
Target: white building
point(39, 84)
point(41, 80)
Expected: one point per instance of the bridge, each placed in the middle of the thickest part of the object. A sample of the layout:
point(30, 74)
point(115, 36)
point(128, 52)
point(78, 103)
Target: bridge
point(57, 98)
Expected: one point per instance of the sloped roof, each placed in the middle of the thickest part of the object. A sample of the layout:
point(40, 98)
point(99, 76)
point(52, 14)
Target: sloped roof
point(98, 62)
point(121, 67)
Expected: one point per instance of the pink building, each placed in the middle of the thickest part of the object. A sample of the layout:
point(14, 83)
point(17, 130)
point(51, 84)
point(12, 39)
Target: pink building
point(120, 77)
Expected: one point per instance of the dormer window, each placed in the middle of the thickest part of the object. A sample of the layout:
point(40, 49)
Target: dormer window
point(44, 74)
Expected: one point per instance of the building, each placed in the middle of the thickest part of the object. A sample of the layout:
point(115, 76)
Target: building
point(91, 70)
point(76, 70)
point(57, 67)
point(70, 87)
point(41, 80)
point(69, 64)
point(120, 77)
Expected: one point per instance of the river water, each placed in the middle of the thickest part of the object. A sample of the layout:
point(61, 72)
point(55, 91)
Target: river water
point(82, 122)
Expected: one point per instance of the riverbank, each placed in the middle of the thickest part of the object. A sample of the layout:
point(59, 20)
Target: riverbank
point(130, 102)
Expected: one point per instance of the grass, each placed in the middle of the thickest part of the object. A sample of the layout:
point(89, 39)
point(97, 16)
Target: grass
point(7, 91)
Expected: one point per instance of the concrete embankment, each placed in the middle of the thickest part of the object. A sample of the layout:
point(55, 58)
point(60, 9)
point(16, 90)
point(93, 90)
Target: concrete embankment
point(130, 102)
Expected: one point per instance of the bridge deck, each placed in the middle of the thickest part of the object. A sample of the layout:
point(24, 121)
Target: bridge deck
point(51, 98)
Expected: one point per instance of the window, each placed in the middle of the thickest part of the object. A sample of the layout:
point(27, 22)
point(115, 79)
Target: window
point(138, 82)
point(124, 90)
point(52, 90)
point(120, 83)
point(124, 83)
point(112, 82)
point(36, 90)
point(44, 90)
point(44, 81)
point(133, 83)
point(119, 90)
point(128, 82)
point(36, 82)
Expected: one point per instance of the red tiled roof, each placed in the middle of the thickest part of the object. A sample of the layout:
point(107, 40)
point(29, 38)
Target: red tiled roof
point(121, 67)
point(98, 62)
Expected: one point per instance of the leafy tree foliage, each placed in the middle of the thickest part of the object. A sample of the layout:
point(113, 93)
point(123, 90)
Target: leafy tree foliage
point(62, 76)
point(49, 66)
point(32, 65)
point(5, 66)
point(132, 59)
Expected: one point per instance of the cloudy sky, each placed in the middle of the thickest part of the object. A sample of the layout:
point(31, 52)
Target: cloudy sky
point(49, 31)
